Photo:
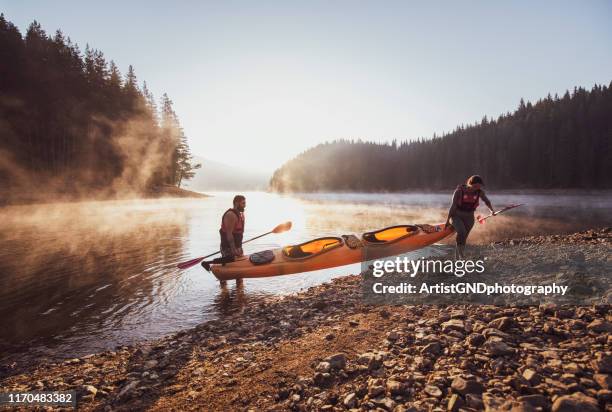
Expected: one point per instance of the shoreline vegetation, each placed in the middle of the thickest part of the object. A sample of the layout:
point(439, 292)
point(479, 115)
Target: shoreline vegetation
point(556, 142)
point(92, 133)
point(324, 349)
point(154, 192)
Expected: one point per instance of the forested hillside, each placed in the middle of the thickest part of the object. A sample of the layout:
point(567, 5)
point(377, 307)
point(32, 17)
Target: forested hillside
point(558, 142)
point(70, 123)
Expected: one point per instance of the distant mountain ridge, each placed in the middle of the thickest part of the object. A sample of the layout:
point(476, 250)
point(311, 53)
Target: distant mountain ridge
point(213, 176)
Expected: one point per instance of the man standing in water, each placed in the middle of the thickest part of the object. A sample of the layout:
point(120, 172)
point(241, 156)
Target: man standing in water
point(231, 233)
point(461, 212)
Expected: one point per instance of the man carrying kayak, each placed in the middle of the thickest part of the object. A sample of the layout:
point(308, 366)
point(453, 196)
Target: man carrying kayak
point(461, 212)
point(231, 233)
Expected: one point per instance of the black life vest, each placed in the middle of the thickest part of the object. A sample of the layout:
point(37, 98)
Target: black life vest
point(237, 232)
point(468, 200)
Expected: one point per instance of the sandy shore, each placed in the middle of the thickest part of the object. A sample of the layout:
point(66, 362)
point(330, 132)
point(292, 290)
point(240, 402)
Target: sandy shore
point(324, 349)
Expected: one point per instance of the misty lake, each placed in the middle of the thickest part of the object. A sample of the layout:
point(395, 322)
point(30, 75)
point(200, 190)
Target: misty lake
point(77, 278)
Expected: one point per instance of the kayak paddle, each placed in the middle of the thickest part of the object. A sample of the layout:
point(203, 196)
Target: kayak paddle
point(283, 227)
point(481, 219)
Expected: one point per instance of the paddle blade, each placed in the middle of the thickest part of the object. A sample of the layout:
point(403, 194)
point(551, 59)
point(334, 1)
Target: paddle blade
point(283, 227)
point(189, 263)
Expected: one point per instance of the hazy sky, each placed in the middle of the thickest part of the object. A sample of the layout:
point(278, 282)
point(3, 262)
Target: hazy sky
point(256, 82)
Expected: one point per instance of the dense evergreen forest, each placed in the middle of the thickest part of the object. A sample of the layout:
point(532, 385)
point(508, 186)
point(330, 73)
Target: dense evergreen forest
point(558, 142)
point(70, 123)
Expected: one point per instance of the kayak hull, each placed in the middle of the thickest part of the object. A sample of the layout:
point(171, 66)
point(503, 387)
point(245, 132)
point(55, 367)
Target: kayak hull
point(337, 256)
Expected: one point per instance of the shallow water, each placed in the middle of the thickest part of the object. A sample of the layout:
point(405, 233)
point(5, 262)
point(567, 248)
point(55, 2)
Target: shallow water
point(81, 277)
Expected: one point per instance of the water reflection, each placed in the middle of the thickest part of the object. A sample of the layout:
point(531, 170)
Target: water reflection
point(231, 300)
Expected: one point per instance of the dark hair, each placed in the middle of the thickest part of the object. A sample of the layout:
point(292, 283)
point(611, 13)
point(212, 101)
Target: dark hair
point(472, 180)
point(239, 198)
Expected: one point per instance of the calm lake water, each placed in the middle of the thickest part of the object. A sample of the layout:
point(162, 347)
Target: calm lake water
point(83, 277)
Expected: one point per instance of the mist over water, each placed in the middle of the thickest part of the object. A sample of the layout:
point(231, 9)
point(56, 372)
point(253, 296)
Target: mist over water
point(76, 278)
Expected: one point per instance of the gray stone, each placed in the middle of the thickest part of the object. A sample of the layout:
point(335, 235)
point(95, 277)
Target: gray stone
point(323, 367)
point(396, 388)
point(602, 363)
point(387, 404)
point(503, 323)
point(90, 390)
point(603, 380)
point(532, 376)
point(372, 360)
point(498, 348)
point(150, 364)
point(600, 326)
point(576, 402)
point(433, 348)
point(455, 403)
point(337, 361)
point(465, 386)
point(433, 390)
point(350, 400)
point(453, 324)
point(127, 389)
point(536, 400)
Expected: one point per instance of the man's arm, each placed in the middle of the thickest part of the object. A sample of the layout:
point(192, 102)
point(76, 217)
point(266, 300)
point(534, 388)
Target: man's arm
point(487, 201)
point(229, 222)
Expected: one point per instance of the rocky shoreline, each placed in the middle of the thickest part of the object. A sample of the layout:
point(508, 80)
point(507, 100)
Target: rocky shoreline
point(324, 349)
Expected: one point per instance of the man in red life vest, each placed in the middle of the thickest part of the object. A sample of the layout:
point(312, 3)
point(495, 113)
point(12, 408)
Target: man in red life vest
point(231, 232)
point(461, 212)
point(232, 229)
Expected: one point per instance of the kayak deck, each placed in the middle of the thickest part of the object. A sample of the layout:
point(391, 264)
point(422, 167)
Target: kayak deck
point(328, 252)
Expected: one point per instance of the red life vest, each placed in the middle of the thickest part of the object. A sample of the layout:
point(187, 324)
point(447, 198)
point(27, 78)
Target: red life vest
point(468, 200)
point(239, 227)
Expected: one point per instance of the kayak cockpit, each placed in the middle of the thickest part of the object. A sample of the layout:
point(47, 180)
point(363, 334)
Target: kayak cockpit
point(390, 234)
point(312, 247)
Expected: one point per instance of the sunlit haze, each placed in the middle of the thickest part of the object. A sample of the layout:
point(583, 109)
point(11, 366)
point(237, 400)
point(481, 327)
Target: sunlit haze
point(255, 83)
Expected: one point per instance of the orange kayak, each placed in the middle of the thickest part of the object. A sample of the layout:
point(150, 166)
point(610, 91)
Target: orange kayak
point(328, 252)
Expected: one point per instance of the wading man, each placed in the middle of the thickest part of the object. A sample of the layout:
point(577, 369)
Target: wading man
point(231, 233)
